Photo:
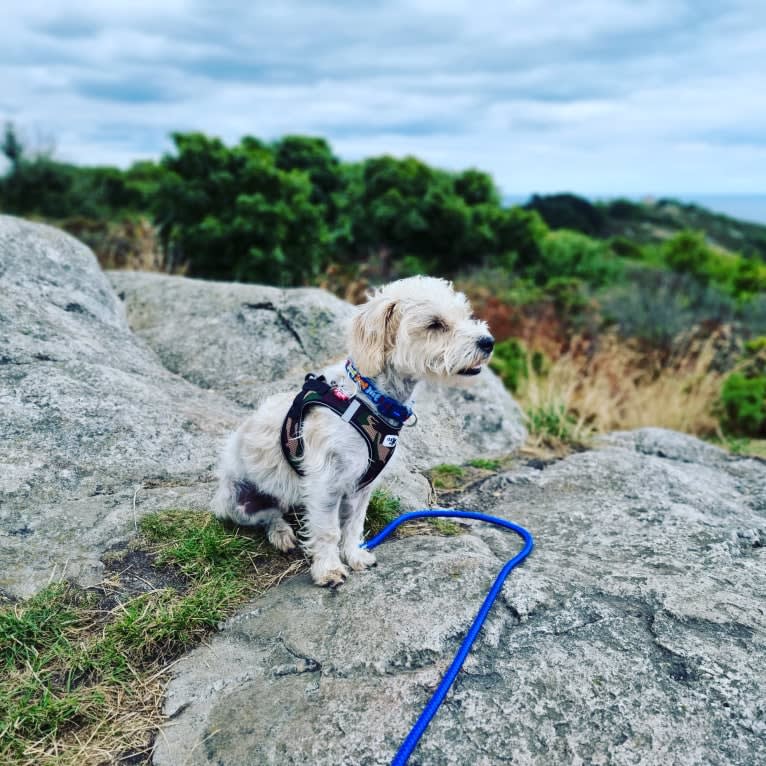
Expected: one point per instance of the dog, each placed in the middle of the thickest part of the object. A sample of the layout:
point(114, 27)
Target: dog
point(408, 332)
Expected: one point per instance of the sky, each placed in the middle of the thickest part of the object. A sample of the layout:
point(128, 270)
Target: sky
point(598, 97)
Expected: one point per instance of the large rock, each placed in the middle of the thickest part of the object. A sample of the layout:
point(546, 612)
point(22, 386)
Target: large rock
point(100, 424)
point(247, 341)
point(635, 633)
point(93, 427)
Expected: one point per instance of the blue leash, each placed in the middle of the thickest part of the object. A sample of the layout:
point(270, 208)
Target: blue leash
point(429, 711)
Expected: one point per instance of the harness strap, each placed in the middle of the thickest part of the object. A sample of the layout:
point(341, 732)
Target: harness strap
point(379, 436)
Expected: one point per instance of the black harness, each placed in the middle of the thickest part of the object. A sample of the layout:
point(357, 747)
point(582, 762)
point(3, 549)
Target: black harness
point(380, 436)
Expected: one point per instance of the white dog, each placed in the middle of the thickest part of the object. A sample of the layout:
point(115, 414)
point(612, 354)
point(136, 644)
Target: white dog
point(409, 331)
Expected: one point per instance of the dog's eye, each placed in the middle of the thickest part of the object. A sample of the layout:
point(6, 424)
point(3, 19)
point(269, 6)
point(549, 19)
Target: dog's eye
point(437, 325)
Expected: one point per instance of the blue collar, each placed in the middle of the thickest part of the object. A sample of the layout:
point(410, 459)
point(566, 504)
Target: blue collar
point(387, 406)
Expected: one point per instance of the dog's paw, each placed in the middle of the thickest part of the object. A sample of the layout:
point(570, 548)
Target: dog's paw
point(331, 576)
point(282, 537)
point(359, 558)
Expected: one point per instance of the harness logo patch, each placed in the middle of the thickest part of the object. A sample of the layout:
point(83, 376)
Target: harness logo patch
point(390, 440)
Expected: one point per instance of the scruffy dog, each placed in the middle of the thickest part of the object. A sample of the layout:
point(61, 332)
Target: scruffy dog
point(413, 330)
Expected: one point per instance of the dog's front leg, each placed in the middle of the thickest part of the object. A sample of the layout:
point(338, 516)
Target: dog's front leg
point(353, 513)
point(322, 529)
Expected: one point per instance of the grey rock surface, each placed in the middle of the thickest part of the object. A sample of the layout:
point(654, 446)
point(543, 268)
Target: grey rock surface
point(106, 414)
point(635, 634)
point(244, 341)
point(93, 427)
point(247, 341)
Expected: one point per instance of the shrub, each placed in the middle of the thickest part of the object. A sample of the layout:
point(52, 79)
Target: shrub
point(657, 305)
point(626, 248)
point(570, 254)
point(232, 213)
point(687, 252)
point(752, 313)
point(567, 211)
point(567, 293)
point(744, 405)
point(552, 421)
point(510, 362)
point(743, 395)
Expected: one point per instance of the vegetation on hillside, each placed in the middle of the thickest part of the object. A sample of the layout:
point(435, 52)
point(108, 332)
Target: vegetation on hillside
point(649, 221)
point(612, 297)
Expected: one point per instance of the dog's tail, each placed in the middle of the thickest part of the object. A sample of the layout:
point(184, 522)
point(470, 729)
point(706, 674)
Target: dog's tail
point(224, 503)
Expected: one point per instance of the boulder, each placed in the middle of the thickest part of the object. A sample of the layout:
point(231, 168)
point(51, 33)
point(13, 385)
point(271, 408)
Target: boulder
point(94, 429)
point(635, 633)
point(112, 408)
point(244, 341)
point(247, 341)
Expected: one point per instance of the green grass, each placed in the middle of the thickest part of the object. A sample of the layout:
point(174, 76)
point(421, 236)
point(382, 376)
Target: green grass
point(86, 666)
point(743, 446)
point(486, 464)
point(382, 509)
point(446, 527)
point(447, 476)
point(551, 421)
point(82, 670)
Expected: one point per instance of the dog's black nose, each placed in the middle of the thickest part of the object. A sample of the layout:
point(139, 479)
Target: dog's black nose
point(486, 343)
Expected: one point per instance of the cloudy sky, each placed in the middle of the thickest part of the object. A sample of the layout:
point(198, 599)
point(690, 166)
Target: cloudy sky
point(601, 97)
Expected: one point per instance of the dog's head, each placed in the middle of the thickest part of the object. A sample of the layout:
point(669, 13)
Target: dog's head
point(419, 328)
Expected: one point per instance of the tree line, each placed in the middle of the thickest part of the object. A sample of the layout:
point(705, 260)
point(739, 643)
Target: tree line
point(281, 212)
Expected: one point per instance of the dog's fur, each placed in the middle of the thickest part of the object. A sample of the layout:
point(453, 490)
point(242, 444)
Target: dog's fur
point(409, 331)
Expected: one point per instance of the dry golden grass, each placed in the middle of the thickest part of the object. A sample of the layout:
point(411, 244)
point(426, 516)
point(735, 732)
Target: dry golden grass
point(622, 387)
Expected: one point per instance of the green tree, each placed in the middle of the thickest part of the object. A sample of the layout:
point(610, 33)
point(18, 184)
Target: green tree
point(314, 157)
point(476, 188)
point(231, 213)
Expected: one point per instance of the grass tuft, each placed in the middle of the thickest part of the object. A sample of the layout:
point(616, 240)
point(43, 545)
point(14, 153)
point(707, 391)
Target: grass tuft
point(83, 670)
point(447, 476)
point(383, 508)
point(486, 464)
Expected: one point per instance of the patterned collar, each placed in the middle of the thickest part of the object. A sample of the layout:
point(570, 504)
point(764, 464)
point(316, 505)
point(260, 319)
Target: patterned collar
point(387, 406)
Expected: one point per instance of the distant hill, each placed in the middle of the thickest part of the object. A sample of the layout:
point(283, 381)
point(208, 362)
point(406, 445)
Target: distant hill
point(649, 221)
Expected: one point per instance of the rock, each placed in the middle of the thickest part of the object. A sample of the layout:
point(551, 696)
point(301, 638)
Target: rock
point(101, 424)
point(247, 341)
point(94, 428)
point(244, 341)
point(635, 633)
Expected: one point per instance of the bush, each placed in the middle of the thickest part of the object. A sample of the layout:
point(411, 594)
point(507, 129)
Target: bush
point(687, 252)
point(570, 254)
point(231, 213)
point(657, 305)
point(626, 248)
point(567, 211)
point(744, 405)
point(551, 421)
point(743, 396)
point(512, 362)
point(509, 361)
point(753, 314)
point(567, 293)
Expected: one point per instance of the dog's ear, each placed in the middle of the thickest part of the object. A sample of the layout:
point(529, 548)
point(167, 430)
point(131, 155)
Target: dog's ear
point(373, 332)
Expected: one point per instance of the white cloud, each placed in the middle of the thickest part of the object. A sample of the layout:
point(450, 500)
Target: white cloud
point(600, 96)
